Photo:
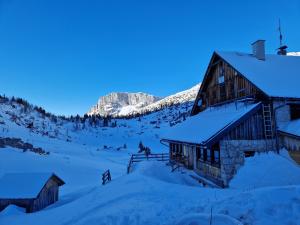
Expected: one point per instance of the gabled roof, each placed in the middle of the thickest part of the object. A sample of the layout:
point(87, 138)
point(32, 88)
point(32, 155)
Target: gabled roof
point(277, 75)
point(24, 185)
point(210, 123)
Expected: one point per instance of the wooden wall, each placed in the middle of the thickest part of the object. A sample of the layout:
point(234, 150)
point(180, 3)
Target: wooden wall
point(251, 129)
point(47, 196)
point(223, 83)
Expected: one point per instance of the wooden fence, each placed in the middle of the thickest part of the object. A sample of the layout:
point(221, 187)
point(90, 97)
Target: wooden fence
point(106, 177)
point(150, 157)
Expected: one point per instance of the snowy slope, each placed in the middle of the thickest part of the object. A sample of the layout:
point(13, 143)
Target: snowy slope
point(178, 98)
point(15, 121)
point(151, 194)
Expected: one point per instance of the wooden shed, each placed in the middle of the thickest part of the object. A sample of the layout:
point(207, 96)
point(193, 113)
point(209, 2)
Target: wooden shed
point(32, 191)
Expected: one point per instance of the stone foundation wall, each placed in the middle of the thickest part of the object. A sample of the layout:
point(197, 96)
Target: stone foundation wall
point(232, 154)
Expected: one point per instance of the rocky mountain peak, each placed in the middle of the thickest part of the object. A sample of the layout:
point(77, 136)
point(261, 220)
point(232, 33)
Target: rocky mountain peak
point(121, 103)
point(124, 104)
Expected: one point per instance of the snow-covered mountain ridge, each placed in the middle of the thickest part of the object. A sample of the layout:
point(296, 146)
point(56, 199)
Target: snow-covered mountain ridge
point(130, 104)
point(293, 53)
point(121, 103)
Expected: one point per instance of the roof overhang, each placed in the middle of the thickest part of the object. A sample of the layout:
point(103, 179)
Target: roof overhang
point(221, 133)
point(288, 134)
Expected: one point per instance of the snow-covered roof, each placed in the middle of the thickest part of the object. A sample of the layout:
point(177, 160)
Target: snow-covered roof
point(203, 126)
point(292, 127)
point(277, 75)
point(23, 185)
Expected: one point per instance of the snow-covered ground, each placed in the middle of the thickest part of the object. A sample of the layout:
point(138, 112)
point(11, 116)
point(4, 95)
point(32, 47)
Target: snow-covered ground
point(265, 191)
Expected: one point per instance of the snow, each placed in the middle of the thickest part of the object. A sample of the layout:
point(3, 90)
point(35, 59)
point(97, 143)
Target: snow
point(264, 170)
point(277, 205)
point(12, 210)
point(114, 103)
point(207, 219)
point(178, 98)
point(151, 194)
point(293, 54)
point(203, 126)
point(277, 75)
point(22, 185)
point(292, 127)
point(145, 106)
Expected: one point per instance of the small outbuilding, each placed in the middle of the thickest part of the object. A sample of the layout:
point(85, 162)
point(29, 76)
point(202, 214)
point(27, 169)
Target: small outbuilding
point(32, 191)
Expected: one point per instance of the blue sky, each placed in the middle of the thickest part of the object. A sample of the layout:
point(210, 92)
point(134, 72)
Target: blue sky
point(63, 55)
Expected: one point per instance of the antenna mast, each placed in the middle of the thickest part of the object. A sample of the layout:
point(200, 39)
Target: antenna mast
point(280, 34)
point(282, 48)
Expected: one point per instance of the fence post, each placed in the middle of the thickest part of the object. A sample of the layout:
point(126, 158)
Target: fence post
point(108, 176)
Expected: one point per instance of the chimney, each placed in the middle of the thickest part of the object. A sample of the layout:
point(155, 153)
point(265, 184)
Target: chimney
point(282, 50)
point(258, 49)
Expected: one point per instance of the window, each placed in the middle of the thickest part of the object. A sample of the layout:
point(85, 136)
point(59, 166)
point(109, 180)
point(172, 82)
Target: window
point(208, 155)
point(177, 148)
point(249, 154)
point(185, 150)
point(171, 147)
point(221, 79)
point(295, 111)
point(204, 154)
point(217, 156)
point(199, 102)
point(198, 153)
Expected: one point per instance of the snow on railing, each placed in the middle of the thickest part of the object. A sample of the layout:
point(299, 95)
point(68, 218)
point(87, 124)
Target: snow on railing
point(146, 157)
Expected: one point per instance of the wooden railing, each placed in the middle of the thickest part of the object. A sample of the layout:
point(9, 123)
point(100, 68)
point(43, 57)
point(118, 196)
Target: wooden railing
point(106, 177)
point(143, 157)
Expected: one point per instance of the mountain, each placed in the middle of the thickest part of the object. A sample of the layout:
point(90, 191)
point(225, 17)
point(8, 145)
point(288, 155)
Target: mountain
point(293, 53)
point(118, 103)
point(126, 104)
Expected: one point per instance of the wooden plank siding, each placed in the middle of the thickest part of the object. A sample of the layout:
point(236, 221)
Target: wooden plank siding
point(223, 83)
point(47, 196)
point(250, 129)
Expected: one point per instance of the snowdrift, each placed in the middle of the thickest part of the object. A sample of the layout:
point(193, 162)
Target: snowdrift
point(267, 169)
point(207, 219)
